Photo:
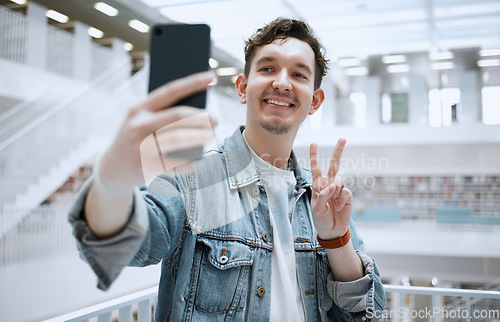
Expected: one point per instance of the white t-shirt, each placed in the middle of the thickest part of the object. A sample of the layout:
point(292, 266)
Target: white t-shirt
point(286, 303)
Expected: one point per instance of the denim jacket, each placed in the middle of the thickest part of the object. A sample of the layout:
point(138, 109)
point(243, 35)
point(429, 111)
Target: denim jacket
point(210, 228)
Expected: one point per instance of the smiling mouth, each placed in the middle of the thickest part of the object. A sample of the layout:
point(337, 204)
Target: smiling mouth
point(278, 103)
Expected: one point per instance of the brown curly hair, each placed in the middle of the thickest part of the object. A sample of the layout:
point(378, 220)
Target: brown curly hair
point(284, 28)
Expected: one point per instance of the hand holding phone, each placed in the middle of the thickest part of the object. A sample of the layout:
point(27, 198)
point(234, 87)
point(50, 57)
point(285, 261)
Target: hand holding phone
point(178, 50)
point(162, 132)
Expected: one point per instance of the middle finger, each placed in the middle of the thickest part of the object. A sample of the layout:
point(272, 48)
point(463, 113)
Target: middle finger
point(336, 158)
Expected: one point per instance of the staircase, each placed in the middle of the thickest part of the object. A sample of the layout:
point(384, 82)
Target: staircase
point(44, 140)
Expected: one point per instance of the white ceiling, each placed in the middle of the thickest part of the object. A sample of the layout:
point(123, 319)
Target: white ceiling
point(350, 27)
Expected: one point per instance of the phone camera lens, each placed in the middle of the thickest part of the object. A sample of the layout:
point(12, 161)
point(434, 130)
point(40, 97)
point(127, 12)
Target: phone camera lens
point(158, 31)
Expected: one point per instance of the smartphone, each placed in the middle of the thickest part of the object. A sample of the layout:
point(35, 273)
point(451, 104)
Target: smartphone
point(176, 51)
point(179, 50)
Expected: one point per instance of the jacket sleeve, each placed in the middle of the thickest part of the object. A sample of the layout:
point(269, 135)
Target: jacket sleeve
point(153, 231)
point(362, 296)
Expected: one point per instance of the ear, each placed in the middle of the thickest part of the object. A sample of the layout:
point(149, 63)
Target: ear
point(241, 88)
point(317, 100)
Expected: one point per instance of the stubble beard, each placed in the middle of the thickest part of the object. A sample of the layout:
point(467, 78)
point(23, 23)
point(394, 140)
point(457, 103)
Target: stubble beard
point(275, 128)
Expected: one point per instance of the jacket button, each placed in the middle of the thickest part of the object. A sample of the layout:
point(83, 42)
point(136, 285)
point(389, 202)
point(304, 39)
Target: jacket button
point(255, 191)
point(261, 291)
point(223, 259)
point(265, 237)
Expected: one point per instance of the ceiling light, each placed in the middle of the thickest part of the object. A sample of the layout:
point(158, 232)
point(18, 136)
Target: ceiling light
point(441, 55)
point(106, 9)
point(19, 1)
point(138, 25)
point(489, 52)
point(443, 65)
point(213, 63)
point(348, 62)
point(356, 71)
point(57, 16)
point(488, 62)
point(96, 33)
point(226, 71)
point(402, 68)
point(394, 59)
point(128, 46)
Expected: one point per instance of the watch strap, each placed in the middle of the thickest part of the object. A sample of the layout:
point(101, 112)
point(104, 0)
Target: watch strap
point(335, 243)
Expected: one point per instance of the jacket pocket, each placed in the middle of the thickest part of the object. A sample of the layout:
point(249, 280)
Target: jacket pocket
point(219, 279)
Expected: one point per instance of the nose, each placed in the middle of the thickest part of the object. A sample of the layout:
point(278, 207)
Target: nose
point(282, 81)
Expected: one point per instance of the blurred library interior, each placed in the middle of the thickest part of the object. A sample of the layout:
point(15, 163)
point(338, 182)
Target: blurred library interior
point(414, 87)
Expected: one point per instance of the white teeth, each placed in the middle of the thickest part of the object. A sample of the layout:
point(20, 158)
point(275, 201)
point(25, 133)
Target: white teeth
point(278, 103)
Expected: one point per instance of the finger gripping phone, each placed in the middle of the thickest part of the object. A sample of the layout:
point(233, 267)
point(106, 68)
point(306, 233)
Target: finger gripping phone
point(179, 50)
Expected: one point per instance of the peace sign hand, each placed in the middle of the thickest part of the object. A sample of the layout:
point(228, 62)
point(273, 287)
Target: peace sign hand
point(331, 201)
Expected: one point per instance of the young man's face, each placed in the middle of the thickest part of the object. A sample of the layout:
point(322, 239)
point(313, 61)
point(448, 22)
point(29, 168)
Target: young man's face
point(279, 91)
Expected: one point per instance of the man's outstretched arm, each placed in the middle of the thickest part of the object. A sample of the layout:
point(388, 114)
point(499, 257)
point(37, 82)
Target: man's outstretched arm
point(130, 157)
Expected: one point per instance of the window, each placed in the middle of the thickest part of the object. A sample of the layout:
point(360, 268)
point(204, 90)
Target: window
point(394, 107)
point(399, 110)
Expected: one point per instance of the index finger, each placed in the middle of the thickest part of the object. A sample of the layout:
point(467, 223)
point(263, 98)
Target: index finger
point(337, 156)
point(315, 169)
point(172, 92)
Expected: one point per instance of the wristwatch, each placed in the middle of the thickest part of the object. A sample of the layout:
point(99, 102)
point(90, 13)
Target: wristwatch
point(335, 243)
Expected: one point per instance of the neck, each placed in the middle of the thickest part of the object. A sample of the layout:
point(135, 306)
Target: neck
point(274, 149)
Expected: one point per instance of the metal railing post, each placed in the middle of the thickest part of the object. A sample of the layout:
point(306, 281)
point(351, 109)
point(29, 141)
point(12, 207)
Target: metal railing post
point(467, 306)
point(105, 317)
point(125, 313)
point(144, 310)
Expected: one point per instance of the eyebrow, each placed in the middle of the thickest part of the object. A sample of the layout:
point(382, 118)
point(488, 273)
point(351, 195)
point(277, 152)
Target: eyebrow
point(269, 59)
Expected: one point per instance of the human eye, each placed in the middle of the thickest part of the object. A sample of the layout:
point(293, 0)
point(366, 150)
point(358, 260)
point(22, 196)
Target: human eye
point(265, 69)
point(300, 75)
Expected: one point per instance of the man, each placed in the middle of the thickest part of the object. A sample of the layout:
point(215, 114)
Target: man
point(239, 233)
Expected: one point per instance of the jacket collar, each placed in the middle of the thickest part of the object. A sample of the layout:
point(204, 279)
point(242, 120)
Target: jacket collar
point(241, 168)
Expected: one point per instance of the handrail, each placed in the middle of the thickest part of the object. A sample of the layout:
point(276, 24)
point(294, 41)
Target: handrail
point(19, 107)
point(124, 304)
point(104, 309)
point(439, 291)
point(143, 72)
point(422, 290)
point(65, 103)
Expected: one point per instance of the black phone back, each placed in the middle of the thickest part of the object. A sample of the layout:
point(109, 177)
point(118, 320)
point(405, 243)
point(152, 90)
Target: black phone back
point(178, 50)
